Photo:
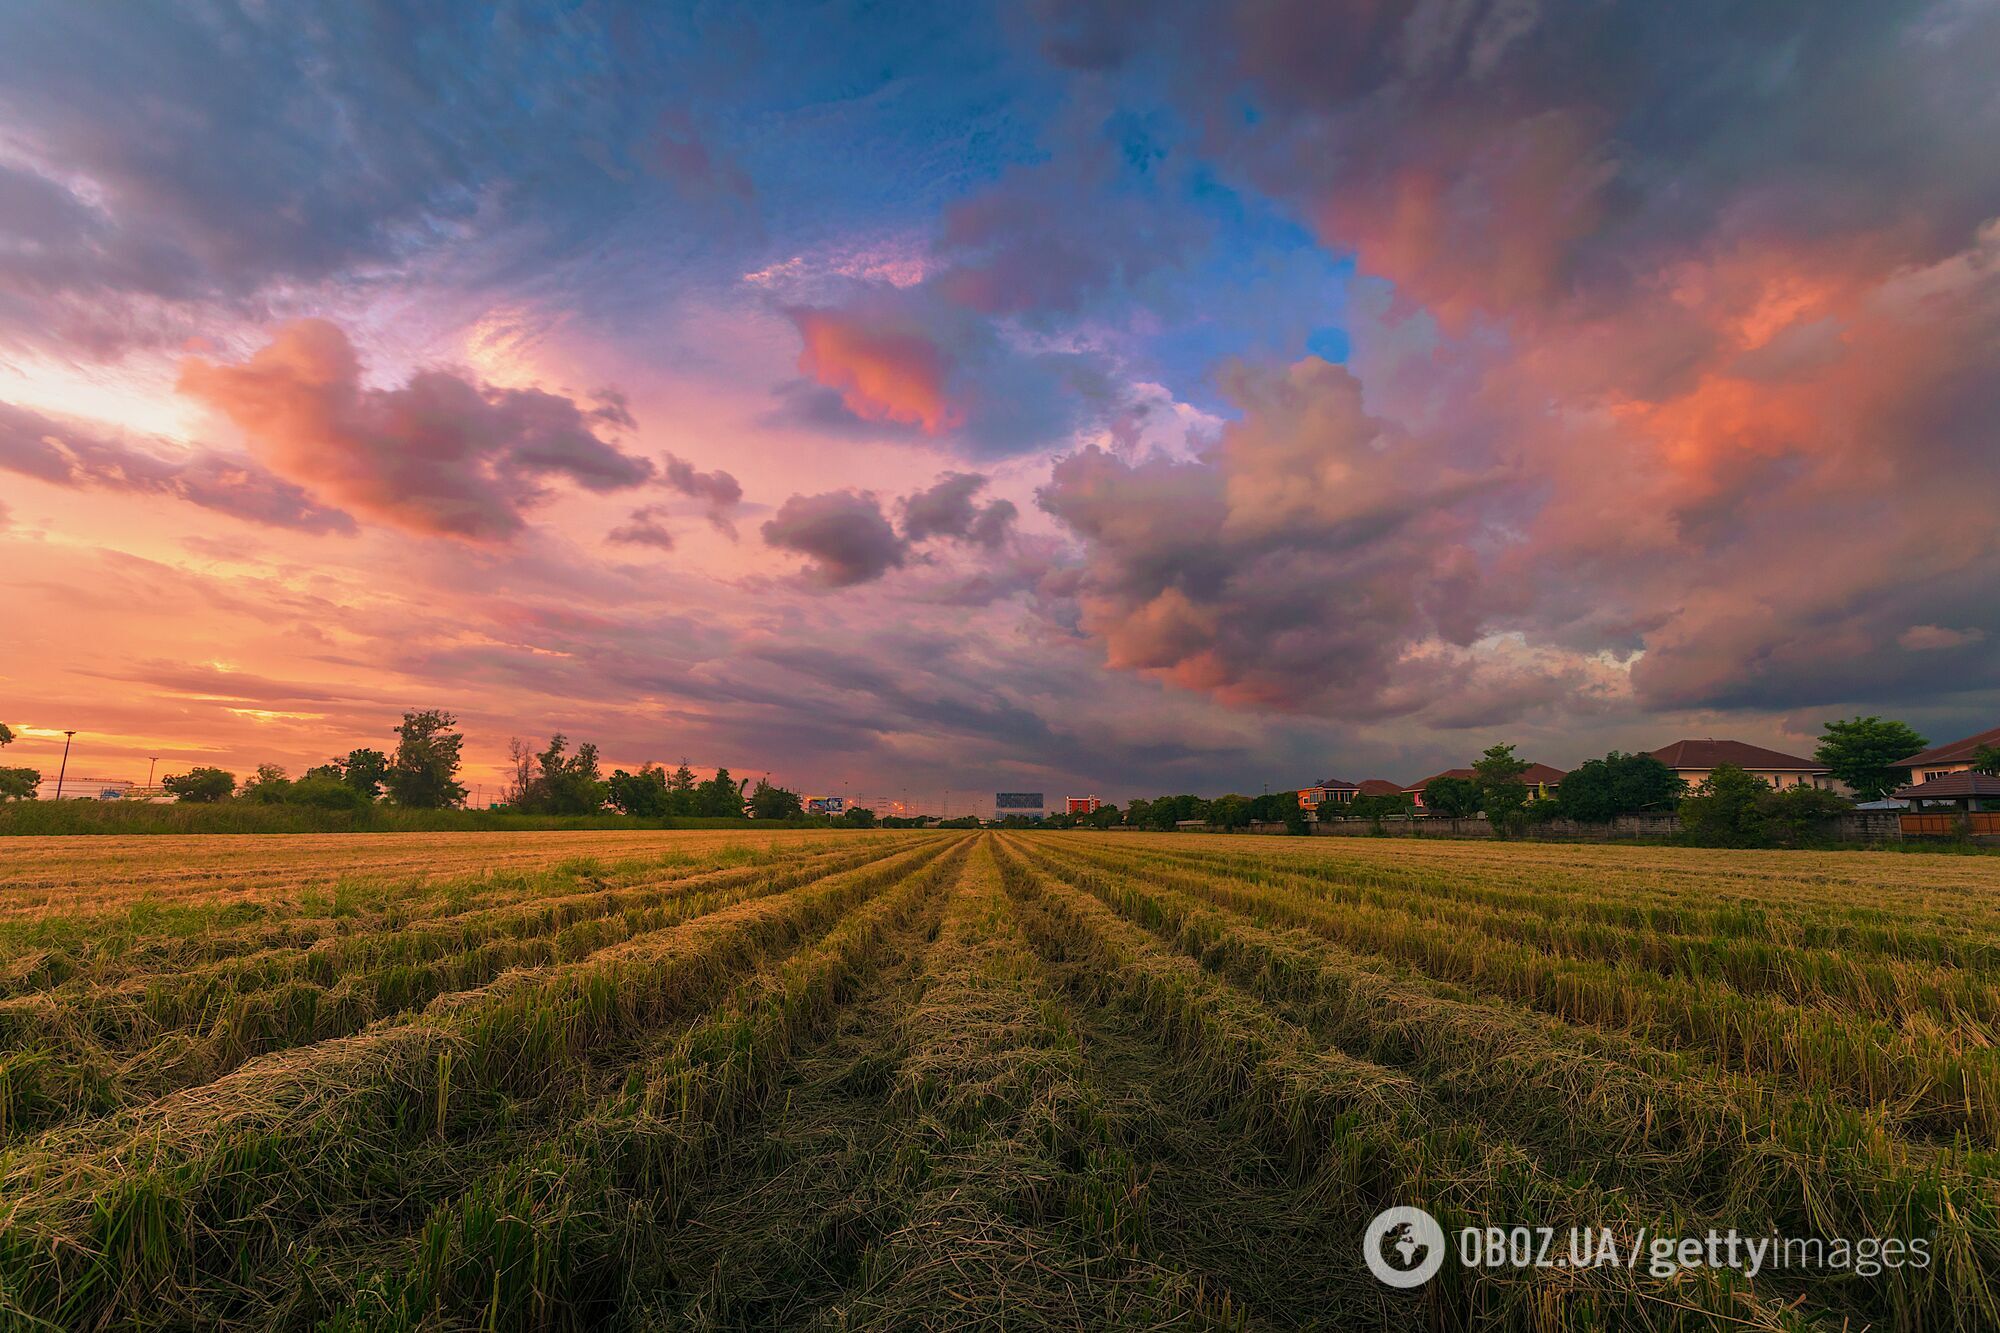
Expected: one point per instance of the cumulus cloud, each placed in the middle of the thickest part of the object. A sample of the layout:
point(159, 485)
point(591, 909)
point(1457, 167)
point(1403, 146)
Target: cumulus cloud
point(645, 526)
point(85, 456)
point(1294, 568)
point(883, 370)
point(1733, 346)
point(950, 509)
point(444, 455)
point(718, 492)
point(843, 533)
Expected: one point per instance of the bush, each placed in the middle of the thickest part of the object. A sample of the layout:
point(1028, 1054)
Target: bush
point(320, 792)
point(1794, 815)
point(201, 786)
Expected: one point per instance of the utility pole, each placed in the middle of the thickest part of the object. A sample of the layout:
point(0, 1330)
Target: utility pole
point(152, 762)
point(63, 772)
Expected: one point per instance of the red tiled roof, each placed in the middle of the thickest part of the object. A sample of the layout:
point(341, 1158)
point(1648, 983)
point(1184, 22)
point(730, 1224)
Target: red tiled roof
point(1951, 787)
point(1535, 775)
point(1379, 787)
point(1707, 754)
point(1465, 773)
point(1331, 784)
point(1958, 752)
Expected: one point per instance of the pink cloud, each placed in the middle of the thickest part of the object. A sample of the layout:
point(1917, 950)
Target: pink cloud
point(883, 371)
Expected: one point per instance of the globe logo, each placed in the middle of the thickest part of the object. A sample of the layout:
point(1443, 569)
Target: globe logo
point(1404, 1247)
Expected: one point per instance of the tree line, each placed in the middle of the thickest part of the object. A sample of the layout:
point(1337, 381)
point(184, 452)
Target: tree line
point(422, 772)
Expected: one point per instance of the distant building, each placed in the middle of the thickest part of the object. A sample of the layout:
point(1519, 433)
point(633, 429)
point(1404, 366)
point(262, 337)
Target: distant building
point(1082, 805)
point(1694, 761)
point(1955, 757)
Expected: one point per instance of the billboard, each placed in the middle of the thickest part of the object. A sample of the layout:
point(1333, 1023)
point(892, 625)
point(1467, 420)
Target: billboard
point(1020, 801)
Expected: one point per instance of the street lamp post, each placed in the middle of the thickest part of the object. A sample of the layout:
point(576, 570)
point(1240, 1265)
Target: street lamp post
point(63, 772)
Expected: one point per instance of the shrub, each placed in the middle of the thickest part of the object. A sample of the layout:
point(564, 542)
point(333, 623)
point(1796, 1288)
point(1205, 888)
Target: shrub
point(201, 786)
point(1793, 815)
point(1726, 810)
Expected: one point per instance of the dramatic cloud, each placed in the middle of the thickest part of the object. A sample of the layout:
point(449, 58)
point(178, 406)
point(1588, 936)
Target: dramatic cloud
point(1719, 288)
point(1295, 568)
point(843, 533)
point(444, 455)
point(1397, 377)
point(949, 509)
point(76, 454)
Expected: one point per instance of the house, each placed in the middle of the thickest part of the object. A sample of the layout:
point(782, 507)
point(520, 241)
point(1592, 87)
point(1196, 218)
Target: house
point(1694, 760)
point(1956, 757)
point(1539, 779)
point(1326, 790)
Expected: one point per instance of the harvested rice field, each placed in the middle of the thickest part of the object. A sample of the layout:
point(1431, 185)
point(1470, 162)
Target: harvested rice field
point(686, 1080)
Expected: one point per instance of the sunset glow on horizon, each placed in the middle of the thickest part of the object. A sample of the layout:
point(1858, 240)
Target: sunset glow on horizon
point(1080, 398)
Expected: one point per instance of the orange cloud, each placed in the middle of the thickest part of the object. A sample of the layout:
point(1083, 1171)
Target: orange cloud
point(442, 456)
point(881, 373)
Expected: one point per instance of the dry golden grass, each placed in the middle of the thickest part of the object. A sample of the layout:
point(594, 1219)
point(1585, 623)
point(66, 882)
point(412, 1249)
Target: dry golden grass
point(905, 1080)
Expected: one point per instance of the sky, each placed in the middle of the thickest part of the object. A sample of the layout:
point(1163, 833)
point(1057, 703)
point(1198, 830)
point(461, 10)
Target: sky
point(1113, 398)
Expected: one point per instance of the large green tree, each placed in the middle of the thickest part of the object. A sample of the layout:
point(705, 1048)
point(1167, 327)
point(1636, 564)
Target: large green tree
point(1862, 752)
point(561, 783)
point(424, 773)
point(769, 801)
point(1453, 798)
point(642, 795)
point(721, 797)
point(1231, 811)
point(1598, 790)
point(365, 770)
